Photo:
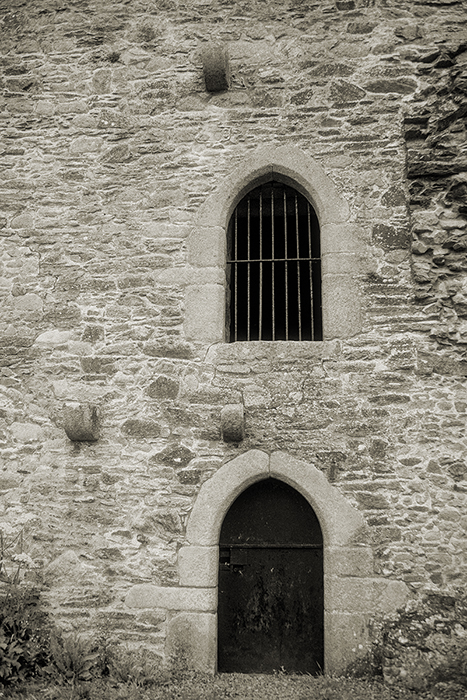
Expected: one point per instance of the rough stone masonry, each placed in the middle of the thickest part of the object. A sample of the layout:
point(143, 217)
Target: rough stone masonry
point(110, 146)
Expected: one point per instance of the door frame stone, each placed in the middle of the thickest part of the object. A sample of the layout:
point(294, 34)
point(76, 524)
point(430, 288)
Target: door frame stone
point(353, 594)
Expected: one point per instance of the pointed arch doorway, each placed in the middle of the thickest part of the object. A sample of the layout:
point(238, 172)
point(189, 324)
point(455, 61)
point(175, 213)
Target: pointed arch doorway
point(270, 605)
point(352, 591)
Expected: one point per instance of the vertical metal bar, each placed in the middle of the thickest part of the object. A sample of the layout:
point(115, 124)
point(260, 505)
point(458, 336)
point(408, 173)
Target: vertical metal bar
point(310, 254)
point(272, 266)
point(260, 336)
point(286, 270)
point(236, 276)
point(298, 272)
point(248, 272)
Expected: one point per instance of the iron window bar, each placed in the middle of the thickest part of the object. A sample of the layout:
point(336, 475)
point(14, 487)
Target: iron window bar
point(274, 267)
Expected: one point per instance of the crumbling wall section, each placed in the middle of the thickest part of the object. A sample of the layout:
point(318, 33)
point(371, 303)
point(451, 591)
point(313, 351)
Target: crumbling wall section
point(435, 132)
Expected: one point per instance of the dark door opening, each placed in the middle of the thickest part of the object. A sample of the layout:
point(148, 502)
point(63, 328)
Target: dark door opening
point(270, 611)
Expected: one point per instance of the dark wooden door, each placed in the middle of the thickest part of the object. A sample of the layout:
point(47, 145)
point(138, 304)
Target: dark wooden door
point(270, 612)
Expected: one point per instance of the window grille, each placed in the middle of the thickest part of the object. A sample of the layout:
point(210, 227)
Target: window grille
point(274, 267)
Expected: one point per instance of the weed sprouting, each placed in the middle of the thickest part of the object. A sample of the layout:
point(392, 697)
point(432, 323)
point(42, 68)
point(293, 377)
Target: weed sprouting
point(73, 656)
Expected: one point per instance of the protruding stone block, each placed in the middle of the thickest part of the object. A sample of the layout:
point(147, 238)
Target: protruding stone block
point(233, 423)
point(81, 422)
point(216, 68)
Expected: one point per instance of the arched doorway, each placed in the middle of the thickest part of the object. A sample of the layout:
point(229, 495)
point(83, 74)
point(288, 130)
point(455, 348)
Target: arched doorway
point(352, 591)
point(270, 605)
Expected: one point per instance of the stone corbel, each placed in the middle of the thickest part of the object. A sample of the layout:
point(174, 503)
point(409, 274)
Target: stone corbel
point(233, 423)
point(216, 68)
point(81, 422)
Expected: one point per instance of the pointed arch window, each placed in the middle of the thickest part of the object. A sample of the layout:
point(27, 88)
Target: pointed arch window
point(274, 267)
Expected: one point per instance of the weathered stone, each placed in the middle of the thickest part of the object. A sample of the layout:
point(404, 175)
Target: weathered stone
point(174, 456)
point(101, 81)
point(394, 197)
point(93, 333)
point(409, 32)
point(390, 237)
point(112, 119)
point(189, 476)
point(367, 594)
point(353, 640)
point(342, 91)
point(26, 432)
point(360, 27)
point(86, 144)
point(333, 461)
point(198, 566)
point(145, 595)
point(7, 483)
point(193, 634)
point(388, 399)
point(138, 427)
point(402, 86)
point(350, 561)
point(372, 501)
point(25, 220)
point(205, 309)
point(425, 645)
point(302, 97)
point(378, 448)
point(118, 185)
point(65, 566)
point(53, 338)
point(97, 365)
point(72, 107)
point(45, 108)
point(117, 154)
point(163, 388)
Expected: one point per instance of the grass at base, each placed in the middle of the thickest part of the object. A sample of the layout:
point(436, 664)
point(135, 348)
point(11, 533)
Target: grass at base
point(193, 686)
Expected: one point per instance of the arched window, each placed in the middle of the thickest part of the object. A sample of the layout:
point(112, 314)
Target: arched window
point(274, 267)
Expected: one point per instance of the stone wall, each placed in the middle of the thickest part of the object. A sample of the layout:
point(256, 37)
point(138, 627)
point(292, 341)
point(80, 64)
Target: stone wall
point(110, 144)
point(425, 647)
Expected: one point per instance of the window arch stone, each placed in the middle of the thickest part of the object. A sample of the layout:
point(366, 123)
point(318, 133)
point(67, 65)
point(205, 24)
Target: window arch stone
point(205, 296)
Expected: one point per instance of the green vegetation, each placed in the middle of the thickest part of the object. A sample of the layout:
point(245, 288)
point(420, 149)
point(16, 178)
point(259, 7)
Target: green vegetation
point(37, 660)
point(195, 686)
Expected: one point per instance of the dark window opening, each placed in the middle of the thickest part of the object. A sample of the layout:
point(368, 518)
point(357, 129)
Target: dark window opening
point(274, 267)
